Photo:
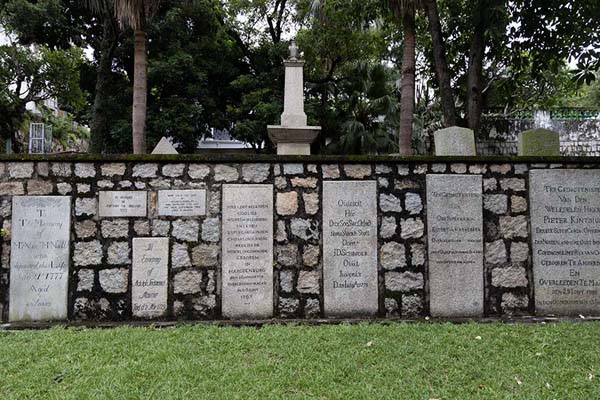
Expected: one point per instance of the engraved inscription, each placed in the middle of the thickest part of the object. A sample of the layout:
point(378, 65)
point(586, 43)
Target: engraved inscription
point(39, 263)
point(247, 251)
point(181, 203)
point(123, 204)
point(149, 280)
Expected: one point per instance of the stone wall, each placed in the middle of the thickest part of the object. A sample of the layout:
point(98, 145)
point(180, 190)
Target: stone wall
point(101, 247)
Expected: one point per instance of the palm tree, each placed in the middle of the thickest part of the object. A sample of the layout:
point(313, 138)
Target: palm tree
point(136, 14)
point(405, 10)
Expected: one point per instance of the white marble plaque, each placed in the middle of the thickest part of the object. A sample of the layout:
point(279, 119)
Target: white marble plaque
point(247, 290)
point(565, 229)
point(182, 203)
point(350, 248)
point(39, 262)
point(455, 235)
point(149, 279)
point(123, 204)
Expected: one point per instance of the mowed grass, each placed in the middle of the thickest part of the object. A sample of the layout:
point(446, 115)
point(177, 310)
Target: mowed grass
point(366, 361)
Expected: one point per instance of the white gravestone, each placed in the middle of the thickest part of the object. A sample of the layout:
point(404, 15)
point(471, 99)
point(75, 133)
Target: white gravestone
point(565, 230)
point(350, 248)
point(247, 290)
point(149, 280)
point(123, 204)
point(39, 262)
point(182, 203)
point(455, 235)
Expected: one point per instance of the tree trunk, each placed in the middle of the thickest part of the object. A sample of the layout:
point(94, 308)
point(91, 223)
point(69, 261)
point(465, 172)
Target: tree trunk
point(100, 126)
point(474, 72)
point(140, 92)
point(407, 83)
point(441, 66)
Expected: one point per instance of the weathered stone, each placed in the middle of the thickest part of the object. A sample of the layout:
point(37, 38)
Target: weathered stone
point(404, 281)
point(454, 141)
point(383, 182)
point(514, 184)
point(85, 229)
point(403, 170)
point(214, 202)
point(64, 188)
point(513, 227)
point(19, 170)
point(5, 208)
point(113, 169)
point(186, 230)
point(518, 204)
point(307, 183)
point(198, 171)
point(85, 170)
point(510, 277)
point(173, 170)
point(281, 182)
point(288, 306)
point(405, 183)
point(310, 256)
point(312, 168)
point(211, 285)
point(116, 228)
point(85, 280)
point(187, 282)
point(38, 271)
point(381, 169)
point(565, 220)
point(477, 169)
point(308, 282)
point(84, 188)
point(141, 228)
point(205, 305)
point(305, 229)
point(520, 169)
point(62, 169)
point(85, 206)
point(511, 302)
point(455, 234)
point(502, 169)
point(413, 203)
point(438, 167)
point(312, 308)
point(392, 255)
point(226, 173)
point(281, 235)
point(247, 272)
point(495, 252)
point(519, 252)
point(458, 168)
point(105, 184)
point(490, 184)
point(179, 256)
point(539, 142)
point(358, 171)
point(350, 248)
point(388, 227)
point(496, 203)
point(160, 183)
point(145, 170)
point(287, 255)
point(118, 253)
point(205, 255)
point(389, 203)
point(417, 251)
point(391, 307)
point(411, 228)
point(256, 173)
point(293, 169)
point(42, 168)
point(287, 203)
point(114, 280)
point(420, 169)
point(311, 203)
point(12, 188)
point(160, 227)
point(140, 185)
point(330, 171)
point(211, 230)
point(87, 253)
point(38, 187)
point(412, 305)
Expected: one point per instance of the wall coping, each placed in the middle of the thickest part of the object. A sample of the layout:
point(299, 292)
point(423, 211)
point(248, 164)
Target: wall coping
point(314, 159)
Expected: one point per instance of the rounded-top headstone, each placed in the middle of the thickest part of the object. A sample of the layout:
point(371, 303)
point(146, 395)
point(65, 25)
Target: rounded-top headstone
point(539, 142)
point(454, 141)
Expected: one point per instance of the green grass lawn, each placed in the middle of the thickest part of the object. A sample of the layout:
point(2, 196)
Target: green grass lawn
point(367, 361)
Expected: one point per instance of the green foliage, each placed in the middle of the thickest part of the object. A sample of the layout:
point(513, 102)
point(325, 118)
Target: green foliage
point(64, 129)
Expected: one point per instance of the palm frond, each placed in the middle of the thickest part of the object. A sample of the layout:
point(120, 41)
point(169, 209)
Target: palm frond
point(135, 13)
